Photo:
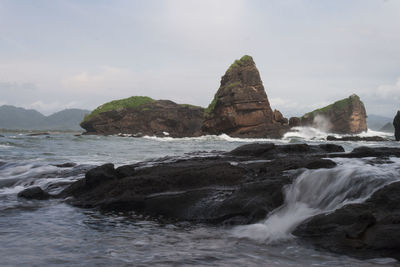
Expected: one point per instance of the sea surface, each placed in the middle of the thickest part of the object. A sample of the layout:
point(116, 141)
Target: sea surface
point(52, 233)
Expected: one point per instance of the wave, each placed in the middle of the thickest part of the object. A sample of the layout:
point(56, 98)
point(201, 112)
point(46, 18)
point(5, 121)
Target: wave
point(314, 134)
point(320, 191)
point(221, 137)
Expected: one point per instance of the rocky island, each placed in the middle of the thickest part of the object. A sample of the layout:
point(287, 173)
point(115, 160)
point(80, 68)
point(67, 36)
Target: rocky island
point(240, 107)
point(346, 116)
point(140, 115)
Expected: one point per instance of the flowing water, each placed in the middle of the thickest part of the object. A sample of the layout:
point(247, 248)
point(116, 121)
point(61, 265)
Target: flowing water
point(41, 233)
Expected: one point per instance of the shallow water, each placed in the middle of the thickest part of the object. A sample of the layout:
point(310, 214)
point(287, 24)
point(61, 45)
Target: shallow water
point(54, 233)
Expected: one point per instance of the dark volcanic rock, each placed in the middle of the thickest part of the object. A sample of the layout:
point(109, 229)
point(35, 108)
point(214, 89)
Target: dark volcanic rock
point(367, 230)
point(396, 124)
point(356, 138)
point(34, 193)
point(159, 118)
point(242, 186)
point(365, 151)
point(241, 108)
point(346, 116)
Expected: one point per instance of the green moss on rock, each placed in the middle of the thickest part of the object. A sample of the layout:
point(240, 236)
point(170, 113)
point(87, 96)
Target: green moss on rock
point(189, 106)
point(130, 102)
point(211, 107)
point(240, 62)
point(338, 106)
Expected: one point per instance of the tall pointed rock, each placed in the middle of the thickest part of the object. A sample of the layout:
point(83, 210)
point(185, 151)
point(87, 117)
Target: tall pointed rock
point(240, 107)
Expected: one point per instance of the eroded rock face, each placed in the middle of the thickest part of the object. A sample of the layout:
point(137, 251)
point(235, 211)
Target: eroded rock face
point(396, 124)
point(346, 116)
point(159, 118)
point(241, 108)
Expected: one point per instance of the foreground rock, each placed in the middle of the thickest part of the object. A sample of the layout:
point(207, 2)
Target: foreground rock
point(367, 230)
point(240, 107)
point(356, 138)
point(239, 187)
point(34, 192)
point(347, 116)
point(396, 124)
point(139, 116)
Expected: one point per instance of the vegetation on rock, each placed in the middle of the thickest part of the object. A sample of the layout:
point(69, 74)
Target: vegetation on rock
point(211, 107)
point(240, 62)
point(338, 106)
point(130, 102)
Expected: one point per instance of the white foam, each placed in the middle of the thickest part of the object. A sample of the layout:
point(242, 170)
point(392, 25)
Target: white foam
point(221, 137)
point(319, 191)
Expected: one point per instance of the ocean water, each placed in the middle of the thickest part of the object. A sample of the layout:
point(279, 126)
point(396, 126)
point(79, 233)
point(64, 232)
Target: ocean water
point(43, 233)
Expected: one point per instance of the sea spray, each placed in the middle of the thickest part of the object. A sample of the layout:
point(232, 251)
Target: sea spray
point(320, 191)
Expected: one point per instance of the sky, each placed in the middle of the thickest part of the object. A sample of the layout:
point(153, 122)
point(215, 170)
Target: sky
point(59, 54)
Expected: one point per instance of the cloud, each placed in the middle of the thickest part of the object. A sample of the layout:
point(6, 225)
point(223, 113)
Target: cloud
point(389, 91)
point(105, 77)
point(48, 107)
point(290, 107)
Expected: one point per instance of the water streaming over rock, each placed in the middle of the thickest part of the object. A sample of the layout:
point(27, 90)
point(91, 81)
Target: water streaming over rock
point(320, 191)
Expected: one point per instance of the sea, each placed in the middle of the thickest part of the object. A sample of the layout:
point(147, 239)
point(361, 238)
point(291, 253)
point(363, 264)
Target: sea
point(54, 233)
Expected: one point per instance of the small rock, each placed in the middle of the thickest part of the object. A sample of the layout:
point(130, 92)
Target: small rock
point(396, 124)
point(34, 193)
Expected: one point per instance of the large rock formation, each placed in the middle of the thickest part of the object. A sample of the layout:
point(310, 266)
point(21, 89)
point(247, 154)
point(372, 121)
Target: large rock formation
point(346, 116)
point(139, 116)
point(240, 107)
point(396, 124)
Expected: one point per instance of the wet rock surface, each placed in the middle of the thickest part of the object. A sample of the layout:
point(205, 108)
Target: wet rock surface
point(34, 192)
point(366, 230)
point(238, 187)
point(396, 124)
point(356, 138)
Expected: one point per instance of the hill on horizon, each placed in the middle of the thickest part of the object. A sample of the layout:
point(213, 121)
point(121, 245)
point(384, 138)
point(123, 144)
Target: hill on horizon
point(376, 122)
point(16, 118)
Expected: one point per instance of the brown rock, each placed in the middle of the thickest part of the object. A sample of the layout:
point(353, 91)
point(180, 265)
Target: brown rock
point(346, 116)
point(396, 124)
point(294, 122)
point(159, 118)
point(241, 108)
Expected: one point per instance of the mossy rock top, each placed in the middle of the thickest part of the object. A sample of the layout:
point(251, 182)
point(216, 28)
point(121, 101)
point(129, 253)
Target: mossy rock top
point(338, 105)
point(243, 61)
point(130, 102)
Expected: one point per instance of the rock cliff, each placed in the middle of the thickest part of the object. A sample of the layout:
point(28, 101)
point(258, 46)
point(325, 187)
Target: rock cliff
point(139, 116)
point(346, 116)
point(240, 107)
point(396, 124)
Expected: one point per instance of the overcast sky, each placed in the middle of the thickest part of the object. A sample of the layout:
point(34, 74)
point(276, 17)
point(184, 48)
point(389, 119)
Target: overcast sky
point(80, 54)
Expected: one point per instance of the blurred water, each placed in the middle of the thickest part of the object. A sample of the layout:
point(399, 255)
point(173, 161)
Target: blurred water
point(43, 233)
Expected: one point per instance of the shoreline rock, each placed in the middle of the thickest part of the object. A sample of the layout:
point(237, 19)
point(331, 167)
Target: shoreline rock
point(356, 138)
point(396, 124)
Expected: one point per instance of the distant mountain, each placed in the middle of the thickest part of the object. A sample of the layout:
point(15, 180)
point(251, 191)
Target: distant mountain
point(388, 128)
point(15, 118)
point(376, 122)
